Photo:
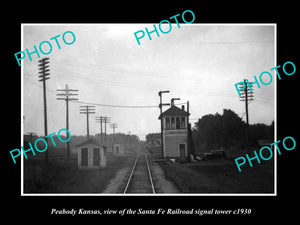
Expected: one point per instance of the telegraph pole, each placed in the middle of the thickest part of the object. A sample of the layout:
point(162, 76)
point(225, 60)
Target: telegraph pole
point(99, 120)
point(44, 75)
point(247, 96)
point(103, 120)
point(65, 93)
point(113, 126)
point(161, 120)
point(106, 120)
point(87, 109)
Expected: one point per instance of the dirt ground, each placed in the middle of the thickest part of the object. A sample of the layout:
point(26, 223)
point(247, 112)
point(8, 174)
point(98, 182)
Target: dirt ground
point(117, 184)
point(162, 185)
point(220, 176)
point(60, 177)
point(212, 176)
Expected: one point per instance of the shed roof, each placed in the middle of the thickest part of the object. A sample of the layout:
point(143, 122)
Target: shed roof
point(89, 141)
point(174, 111)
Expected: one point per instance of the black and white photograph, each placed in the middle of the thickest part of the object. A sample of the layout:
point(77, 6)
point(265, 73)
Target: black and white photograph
point(135, 113)
point(161, 117)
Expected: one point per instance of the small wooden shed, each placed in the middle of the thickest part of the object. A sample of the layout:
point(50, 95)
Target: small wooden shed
point(118, 149)
point(91, 155)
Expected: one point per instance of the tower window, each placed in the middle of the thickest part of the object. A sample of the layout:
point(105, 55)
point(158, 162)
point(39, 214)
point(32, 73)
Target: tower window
point(177, 123)
point(168, 125)
point(173, 123)
point(182, 123)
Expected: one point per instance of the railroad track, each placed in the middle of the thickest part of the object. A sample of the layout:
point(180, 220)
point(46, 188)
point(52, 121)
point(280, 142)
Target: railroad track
point(140, 178)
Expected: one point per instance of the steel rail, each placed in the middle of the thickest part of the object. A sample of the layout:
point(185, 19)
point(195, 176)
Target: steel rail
point(129, 179)
point(150, 176)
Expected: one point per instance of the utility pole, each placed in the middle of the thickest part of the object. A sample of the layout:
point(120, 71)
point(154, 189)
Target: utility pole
point(161, 120)
point(247, 96)
point(99, 119)
point(190, 146)
point(44, 75)
point(87, 109)
point(113, 126)
point(65, 93)
point(106, 120)
point(103, 120)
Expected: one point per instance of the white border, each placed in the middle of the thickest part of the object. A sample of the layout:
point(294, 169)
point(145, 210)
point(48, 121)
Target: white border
point(22, 114)
point(275, 111)
point(156, 194)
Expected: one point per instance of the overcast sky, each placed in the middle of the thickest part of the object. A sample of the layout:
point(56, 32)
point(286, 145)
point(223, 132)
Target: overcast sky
point(197, 63)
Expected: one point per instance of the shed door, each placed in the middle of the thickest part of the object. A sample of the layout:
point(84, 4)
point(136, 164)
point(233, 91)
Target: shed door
point(182, 152)
point(84, 157)
point(96, 156)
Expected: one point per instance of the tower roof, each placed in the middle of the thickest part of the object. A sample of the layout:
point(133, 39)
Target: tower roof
point(174, 111)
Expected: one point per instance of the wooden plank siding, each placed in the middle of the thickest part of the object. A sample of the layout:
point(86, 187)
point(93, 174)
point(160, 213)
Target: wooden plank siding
point(172, 139)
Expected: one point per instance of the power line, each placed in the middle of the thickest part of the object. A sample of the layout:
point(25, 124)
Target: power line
point(124, 106)
point(202, 92)
point(118, 106)
point(110, 105)
point(65, 75)
point(226, 42)
point(259, 99)
point(206, 91)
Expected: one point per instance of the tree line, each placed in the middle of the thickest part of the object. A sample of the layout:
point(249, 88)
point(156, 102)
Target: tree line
point(129, 141)
point(228, 131)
